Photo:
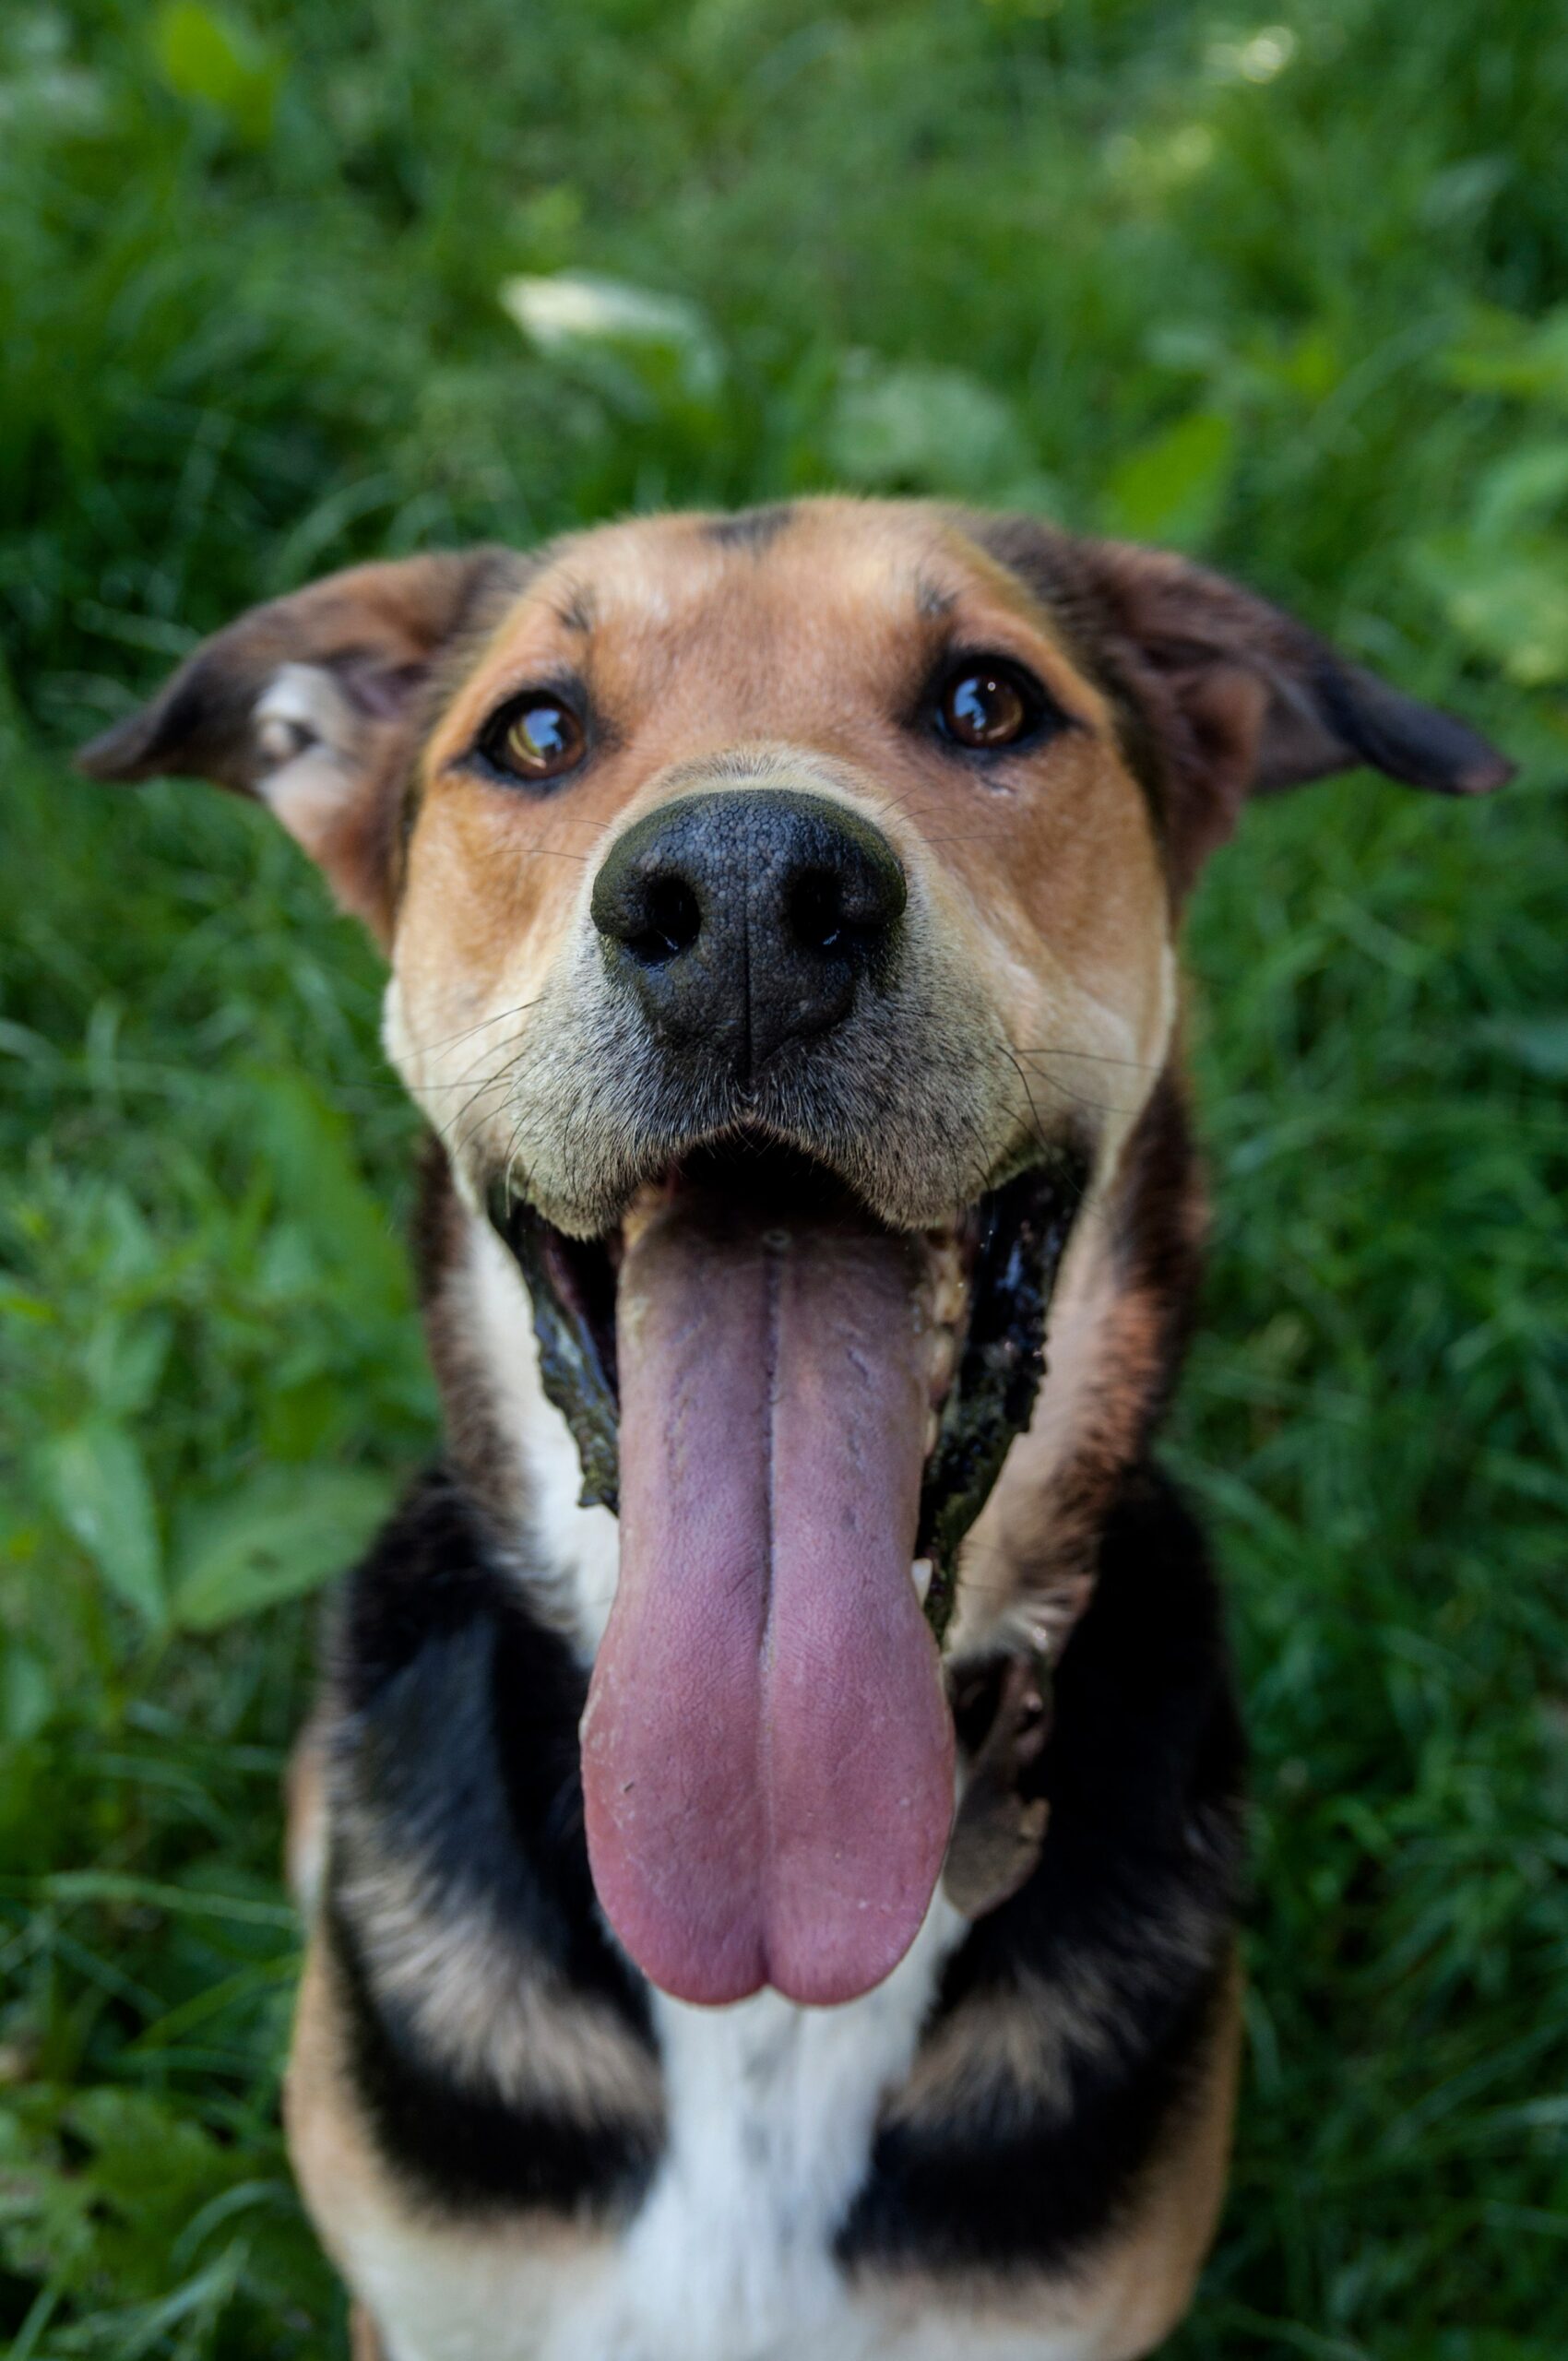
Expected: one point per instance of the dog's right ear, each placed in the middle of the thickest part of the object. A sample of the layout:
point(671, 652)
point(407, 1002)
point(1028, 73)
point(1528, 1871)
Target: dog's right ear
point(312, 703)
point(1222, 696)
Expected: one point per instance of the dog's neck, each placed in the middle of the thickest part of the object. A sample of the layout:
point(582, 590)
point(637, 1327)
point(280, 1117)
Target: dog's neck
point(1117, 1328)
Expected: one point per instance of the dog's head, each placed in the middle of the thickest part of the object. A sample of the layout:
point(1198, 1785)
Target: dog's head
point(768, 899)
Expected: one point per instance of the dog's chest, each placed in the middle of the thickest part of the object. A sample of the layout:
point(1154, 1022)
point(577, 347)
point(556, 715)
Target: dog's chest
point(771, 2115)
point(772, 2112)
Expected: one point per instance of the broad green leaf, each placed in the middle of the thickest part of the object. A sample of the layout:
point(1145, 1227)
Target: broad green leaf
point(150, 2160)
point(569, 313)
point(27, 1693)
point(301, 1421)
point(281, 1533)
point(918, 429)
point(1510, 602)
point(98, 1484)
point(309, 1150)
point(1501, 353)
point(1539, 1043)
point(207, 56)
point(123, 1359)
point(1173, 487)
point(1521, 491)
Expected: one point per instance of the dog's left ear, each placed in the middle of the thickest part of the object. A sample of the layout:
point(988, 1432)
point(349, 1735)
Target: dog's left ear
point(1244, 700)
point(1222, 696)
point(312, 703)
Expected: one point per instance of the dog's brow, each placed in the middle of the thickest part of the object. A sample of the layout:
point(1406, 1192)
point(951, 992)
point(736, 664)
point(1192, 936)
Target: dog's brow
point(575, 609)
point(750, 528)
point(932, 602)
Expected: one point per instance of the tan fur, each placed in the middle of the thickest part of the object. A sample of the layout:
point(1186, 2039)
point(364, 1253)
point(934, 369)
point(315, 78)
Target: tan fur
point(305, 1816)
point(364, 2345)
point(497, 2020)
point(491, 2012)
point(386, 622)
point(1154, 2268)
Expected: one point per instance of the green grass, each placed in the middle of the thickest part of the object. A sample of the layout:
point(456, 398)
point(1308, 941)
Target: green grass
point(1280, 291)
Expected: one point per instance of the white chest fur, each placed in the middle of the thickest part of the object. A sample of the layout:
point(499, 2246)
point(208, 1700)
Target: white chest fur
point(771, 2113)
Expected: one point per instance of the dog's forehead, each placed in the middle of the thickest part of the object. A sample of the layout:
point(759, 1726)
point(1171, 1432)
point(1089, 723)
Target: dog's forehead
point(885, 560)
point(845, 591)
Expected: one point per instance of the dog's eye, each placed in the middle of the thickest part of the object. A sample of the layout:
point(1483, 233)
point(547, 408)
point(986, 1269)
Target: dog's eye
point(988, 705)
point(537, 737)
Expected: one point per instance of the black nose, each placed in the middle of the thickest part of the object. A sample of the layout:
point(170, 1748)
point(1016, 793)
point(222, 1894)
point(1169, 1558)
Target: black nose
point(743, 919)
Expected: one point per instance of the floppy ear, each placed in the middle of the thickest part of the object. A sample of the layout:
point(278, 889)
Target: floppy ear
point(1242, 700)
point(1223, 696)
point(312, 705)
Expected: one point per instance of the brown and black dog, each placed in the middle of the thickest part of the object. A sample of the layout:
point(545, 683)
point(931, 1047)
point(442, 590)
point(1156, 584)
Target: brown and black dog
point(771, 1832)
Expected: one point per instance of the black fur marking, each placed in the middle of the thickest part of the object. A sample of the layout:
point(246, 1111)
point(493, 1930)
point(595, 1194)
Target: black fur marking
point(933, 604)
point(1159, 1241)
point(1406, 740)
point(575, 612)
point(459, 1737)
point(1143, 1771)
point(756, 529)
point(468, 2151)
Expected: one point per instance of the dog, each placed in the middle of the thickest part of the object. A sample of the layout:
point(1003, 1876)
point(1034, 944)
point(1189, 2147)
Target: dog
point(771, 1831)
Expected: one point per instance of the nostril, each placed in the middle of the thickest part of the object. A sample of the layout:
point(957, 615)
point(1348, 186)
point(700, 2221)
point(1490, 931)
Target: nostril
point(842, 906)
point(814, 910)
point(672, 922)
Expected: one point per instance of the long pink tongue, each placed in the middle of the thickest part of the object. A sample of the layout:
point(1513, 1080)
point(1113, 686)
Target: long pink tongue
point(768, 1753)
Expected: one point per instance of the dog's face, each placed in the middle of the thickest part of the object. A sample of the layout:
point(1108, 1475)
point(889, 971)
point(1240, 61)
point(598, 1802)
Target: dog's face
point(816, 830)
point(781, 912)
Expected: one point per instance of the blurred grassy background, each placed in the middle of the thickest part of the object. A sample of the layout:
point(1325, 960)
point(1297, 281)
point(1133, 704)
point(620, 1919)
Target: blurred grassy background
point(289, 288)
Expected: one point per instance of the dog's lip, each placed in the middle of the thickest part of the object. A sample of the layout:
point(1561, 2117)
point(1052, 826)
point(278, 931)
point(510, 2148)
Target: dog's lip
point(989, 1273)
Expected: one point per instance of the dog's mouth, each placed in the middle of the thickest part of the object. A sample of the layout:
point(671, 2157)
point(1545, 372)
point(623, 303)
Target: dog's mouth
point(797, 1412)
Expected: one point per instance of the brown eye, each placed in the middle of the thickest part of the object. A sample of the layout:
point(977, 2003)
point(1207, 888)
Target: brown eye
point(537, 738)
point(986, 705)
